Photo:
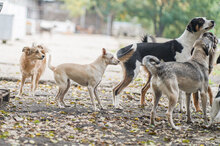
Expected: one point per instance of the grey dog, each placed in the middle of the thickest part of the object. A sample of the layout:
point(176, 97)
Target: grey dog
point(192, 76)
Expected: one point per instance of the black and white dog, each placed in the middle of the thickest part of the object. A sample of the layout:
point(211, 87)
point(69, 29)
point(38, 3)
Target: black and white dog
point(175, 50)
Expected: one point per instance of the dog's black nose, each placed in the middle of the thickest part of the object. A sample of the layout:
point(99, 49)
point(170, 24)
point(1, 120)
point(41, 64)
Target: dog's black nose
point(213, 22)
point(43, 56)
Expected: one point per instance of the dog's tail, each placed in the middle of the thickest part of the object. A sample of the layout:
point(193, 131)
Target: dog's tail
point(125, 53)
point(151, 63)
point(49, 63)
point(145, 39)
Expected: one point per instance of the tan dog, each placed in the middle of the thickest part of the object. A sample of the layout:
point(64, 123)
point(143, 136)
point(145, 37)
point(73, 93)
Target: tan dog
point(89, 75)
point(32, 64)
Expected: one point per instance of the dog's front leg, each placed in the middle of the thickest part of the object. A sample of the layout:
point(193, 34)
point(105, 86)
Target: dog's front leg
point(97, 97)
point(204, 102)
point(22, 84)
point(188, 100)
point(33, 80)
point(91, 89)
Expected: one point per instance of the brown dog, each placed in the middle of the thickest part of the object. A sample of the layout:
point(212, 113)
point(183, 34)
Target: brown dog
point(32, 64)
point(196, 95)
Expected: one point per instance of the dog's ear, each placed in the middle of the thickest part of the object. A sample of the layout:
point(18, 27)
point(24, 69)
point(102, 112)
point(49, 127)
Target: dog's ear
point(27, 50)
point(192, 51)
point(206, 49)
point(190, 27)
point(103, 52)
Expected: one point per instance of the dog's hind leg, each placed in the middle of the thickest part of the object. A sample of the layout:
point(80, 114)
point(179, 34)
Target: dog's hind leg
point(97, 97)
point(172, 91)
point(64, 92)
point(204, 103)
point(157, 94)
point(210, 95)
point(196, 102)
point(126, 81)
point(128, 75)
point(145, 88)
point(188, 101)
point(57, 97)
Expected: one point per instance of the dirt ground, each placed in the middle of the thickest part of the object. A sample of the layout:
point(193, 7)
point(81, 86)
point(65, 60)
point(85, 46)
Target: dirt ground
point(38, 121)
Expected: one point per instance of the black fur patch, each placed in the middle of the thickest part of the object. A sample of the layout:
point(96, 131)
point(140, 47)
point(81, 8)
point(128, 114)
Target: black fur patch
point(144, 39)
point(192, 51)
point(194, 24)
point(218, 94)
point(218, 60)
point(206, 50)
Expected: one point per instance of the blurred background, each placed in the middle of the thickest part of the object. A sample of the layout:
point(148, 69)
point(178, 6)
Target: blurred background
point(162, 18)
point(76, 30)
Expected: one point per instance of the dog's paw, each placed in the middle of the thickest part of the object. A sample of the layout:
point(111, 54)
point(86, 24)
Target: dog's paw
point(60, 106)
point(32, 94)
point(19, 95)
point(189, 121)
point(178, 128)
point(65, 105)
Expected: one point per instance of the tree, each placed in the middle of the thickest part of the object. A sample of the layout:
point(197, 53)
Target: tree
point(162, 13)
point(78, 8)
point(106, 9)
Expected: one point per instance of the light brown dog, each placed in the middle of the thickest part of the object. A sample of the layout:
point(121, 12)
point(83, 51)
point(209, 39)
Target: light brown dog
point(89, 75)
point(32, 64)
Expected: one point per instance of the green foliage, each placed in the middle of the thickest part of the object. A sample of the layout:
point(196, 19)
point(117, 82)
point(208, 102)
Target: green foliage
point(77, 7)
point(166, 18)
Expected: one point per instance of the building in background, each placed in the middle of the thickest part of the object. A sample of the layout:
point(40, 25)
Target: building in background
point(28, 16)
point(20, 11)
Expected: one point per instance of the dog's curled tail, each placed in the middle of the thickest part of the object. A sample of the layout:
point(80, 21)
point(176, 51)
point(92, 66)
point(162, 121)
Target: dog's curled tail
point(145, 39)
point(49, 63)
point(124, 54)
point(151, 63)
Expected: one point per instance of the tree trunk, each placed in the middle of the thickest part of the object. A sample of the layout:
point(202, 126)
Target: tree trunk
point(110, 19)
point(160, 30)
